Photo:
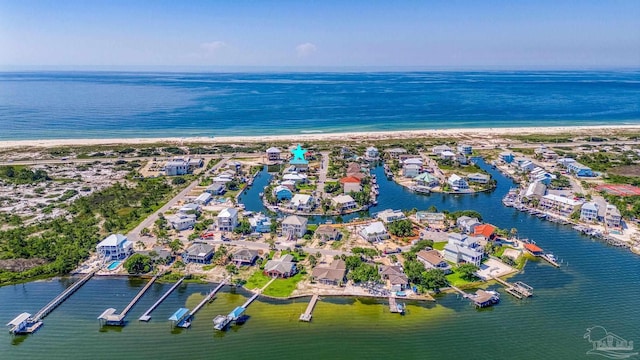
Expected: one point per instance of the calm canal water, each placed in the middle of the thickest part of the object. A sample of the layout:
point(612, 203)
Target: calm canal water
point(600, 286)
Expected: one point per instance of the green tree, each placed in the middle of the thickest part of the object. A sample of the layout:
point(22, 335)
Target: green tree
point(363, 273)
point(433, 279)
point(175, 245)
point(467, 271)
point(244, 227)
point(401, 228)
point(138, 264)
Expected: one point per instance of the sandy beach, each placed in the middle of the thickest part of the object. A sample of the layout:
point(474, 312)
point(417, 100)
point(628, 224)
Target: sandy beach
point(469, 133)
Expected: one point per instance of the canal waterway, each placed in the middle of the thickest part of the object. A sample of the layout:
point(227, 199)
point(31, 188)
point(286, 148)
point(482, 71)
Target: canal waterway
point(597, 285)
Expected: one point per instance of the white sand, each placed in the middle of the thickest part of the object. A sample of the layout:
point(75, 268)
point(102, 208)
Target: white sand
point(476, 133)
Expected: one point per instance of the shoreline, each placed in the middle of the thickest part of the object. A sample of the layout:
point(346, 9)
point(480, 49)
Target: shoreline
point(483, 133)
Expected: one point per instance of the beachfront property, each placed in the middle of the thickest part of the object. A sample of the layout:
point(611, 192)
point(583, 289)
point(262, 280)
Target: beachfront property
point(467, 224)
point(260, 223)
point(332, 274)
point(612, 216)
point(198, 253)
point(395, 153)
point(294, 226)
point(426, 179)
point(589, 212)
point(374, 232)
point(273, 154)
point(327, 233)
point(182, 221)
point(282, 192)
point(283, 267)
point(371, 153)
point(438, 149)
point(301, 202)
point(244, 257)
point(395, 277)
point(350, 184)
point(478, 178)
point(114, 247)
point(465, 149)
point(457, 183)
point(507, 157)
point(432, 259)
point(433, 219)
point(203, 199)
point(463, 249)
point(389, 215)
point(216, 189)
point(227, 219)
point(563, 205)
point(344, 202)
point(579, 170)
point(181, 166)
point(535, 190)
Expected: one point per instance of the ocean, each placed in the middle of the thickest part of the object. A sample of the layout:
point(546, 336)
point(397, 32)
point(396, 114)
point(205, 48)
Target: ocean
point(55, 105)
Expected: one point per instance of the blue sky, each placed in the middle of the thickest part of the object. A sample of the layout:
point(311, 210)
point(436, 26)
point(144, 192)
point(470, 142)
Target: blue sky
point(430, 34)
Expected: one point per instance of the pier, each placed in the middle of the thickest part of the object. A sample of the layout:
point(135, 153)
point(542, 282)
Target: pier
point(220, 322)
point(109, 316)
point(550, 259)
point(309, 312)
point(482, 298)
point(27, 324)
point(182, 317)
point(394, 307)
point(146, 316)
point(518, 289)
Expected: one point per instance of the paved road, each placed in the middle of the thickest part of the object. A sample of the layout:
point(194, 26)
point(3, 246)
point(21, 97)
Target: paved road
point(264, 246)
point(322, 173)
point(134, 235)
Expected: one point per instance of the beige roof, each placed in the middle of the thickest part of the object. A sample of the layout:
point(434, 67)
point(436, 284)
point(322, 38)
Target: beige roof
point(334, 272)
point(433, 257)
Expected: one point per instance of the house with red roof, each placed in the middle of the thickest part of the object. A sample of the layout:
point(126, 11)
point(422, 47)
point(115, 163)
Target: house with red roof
point(533, 249)
point(487, 231)
point(351, 183)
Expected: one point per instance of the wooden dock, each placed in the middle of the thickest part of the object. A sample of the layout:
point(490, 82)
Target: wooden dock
point(518, 289)
point(29, 324)
point(481, 298)
point(221, 322)
point(550, 260)
point(146, 316)
point(309, 312)
point(207, 298)
point(109, 316)
point(394, 307)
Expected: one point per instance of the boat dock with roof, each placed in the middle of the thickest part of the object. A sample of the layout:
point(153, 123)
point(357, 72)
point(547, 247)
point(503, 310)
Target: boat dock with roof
point(182, 318)
point(482, 298)
point(221, 322)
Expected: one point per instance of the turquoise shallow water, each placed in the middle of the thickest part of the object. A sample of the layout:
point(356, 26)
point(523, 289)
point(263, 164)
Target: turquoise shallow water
point(600, 286)
point(49, 105)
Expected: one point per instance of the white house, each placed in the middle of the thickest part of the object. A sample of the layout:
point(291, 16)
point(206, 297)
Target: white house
point(589, 212)
point(535, 190)
point(190, 208)
point(467, 224)
point(465, 149)
point(612, 216)
point(478, 178)
point(294, 226)
point(296, 177)
point(411, 170)
point(413, 161)
point(374, 232)
point(177, 167)
point(440, 148)
point(182, 221)
point(457, 183)
point(203, 199)
point(563, 205)
point(344, 202)
point(389, 215)
point(301, 202)
point(114, 247)
point(526, 165)
point(396, 152)
point(463, 249)
point(351, 184)
point(273, 154)
point(371, 153)
point(447, 155)
point(227, 219)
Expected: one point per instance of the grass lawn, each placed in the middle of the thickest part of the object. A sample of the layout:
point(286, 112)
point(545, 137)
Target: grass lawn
point(283, 287)
point(455, 280)
point(439, 245)
point(257, 280)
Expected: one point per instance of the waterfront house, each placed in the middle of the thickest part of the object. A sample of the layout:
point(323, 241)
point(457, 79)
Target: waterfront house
point(216, 189)
point(426, 179)
point(461, 159)
point(396, 278)
point(411, 170)
point(432, 259)
point(227, 219)
point(333, 274)
point(115, 247)
point(465, 149)
point(478, 178)
point(395, 153)
point(182, 221)
point(355, 170)
point(467, 224)
point(222, 178)
point(203, 199)
point(190, 208)
point(344, 202)
point(433, 219)
point(612, 216)
point(296, 177)
point(159, 254)
point(289, 184)
point(525, 165)
point(244, 256)
point(282, 192)
point(447, 155)
point(413, 161)
point(589, 212)
point(351, 184)
point(260, 223)
point(294, 226)
point(539, 174)
point(535, 190)
point(233, 167)
point(389, 215)
point(327, 233)
point(563, 205)
point(283, 267)
point(579, 170)
point(463, 249)
point(507, 157)
point(438, 149)
point(273, 154)
point(301, 202)
point(371, 153)
point(487, 231)
point(457, 183)
point(198, 253)
point(374, 232)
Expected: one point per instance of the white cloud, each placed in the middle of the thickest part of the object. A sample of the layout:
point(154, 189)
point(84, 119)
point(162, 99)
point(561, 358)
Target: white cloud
point(210, 48)
point(305, 49)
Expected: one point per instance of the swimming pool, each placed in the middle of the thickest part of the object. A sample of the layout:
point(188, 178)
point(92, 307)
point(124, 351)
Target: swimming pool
point(114, 265)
